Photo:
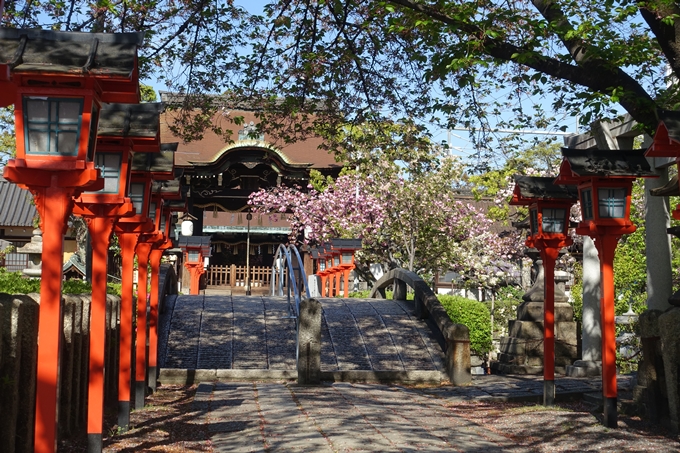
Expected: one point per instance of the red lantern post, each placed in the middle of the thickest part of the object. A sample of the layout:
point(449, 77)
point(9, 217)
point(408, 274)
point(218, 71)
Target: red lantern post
point(345, 249)
point(549, 207)
point(101, 209)
point(323, 271)
point(195, 249)
point(151, 167)
point(59, 81)
point(605, 180)
point(128, 230)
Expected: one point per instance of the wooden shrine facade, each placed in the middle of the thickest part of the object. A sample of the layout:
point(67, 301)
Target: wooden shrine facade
point(219, 177)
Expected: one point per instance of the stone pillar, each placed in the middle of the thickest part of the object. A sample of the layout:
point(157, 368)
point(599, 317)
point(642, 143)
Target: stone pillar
point(658, 245)
point(309, 342)
point(399, 290)
point(591, 332)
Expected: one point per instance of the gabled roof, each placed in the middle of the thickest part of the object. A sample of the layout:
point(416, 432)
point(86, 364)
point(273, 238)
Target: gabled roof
point(212, 147)
point(16, 209)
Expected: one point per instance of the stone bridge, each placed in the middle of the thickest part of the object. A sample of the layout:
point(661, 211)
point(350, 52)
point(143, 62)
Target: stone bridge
point(222, 337)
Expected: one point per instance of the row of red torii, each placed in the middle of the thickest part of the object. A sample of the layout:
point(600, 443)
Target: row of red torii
point(84, 145)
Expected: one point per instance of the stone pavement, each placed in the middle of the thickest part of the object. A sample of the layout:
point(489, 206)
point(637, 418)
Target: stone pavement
point(342, 417)
point(230, 332)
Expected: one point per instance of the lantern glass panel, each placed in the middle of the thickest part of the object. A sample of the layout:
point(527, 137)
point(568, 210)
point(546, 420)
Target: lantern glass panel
point(336, 260)
point(533, 221)
point(587, 204)
point(137, 196)
point(152, 212)
point(322, 265)
point(193, 256)
point(612, 202)
point(52, 125)
point(554, 220)
point(109, 166)
point(347, 258)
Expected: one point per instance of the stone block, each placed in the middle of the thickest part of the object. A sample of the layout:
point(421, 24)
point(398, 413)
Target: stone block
point(17, 369)
point(66, 365)
point(309, 342)
point(533, 311)
point(564, 331)
point(82, 357)
point(648, 323)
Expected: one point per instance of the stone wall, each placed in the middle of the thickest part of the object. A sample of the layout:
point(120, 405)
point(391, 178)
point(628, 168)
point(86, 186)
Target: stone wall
point(18, 354)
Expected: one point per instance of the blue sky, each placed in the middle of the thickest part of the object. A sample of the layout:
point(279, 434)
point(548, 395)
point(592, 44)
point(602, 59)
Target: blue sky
point(458, 140)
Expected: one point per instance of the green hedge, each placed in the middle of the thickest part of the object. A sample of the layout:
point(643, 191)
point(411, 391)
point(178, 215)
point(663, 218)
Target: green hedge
point(16, 283)
point(475, 315)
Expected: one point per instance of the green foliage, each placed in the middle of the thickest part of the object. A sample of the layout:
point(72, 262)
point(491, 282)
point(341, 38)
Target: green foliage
point(148, 94)
point(577, 292)
point(475, 315)
point(16, 283)
point(505, 306)
point(318, 181)
point(630, 261)
point(7, 138)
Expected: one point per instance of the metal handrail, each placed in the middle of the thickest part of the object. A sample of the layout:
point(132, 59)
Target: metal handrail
point(290, 252)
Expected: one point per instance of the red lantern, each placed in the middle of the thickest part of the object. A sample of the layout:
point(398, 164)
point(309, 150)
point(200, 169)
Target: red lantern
point(58, 82)
point(605, 181)
point(549, 207)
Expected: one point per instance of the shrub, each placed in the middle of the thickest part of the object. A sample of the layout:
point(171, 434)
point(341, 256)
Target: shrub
point(475, 315)
point(16, 283)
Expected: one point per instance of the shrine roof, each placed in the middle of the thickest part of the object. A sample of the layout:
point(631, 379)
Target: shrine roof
point(37, 50)
point(302, 153)
point(16, 210)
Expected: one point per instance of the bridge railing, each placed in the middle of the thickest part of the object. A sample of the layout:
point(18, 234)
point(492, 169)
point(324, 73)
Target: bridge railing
point(456, 337)
point(288, 272)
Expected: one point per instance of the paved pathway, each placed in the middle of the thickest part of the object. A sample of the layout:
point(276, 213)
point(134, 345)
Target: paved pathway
point(239, 332)
point(343, 417)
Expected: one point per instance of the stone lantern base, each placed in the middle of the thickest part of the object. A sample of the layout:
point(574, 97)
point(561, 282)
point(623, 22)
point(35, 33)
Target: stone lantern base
point(521, 352)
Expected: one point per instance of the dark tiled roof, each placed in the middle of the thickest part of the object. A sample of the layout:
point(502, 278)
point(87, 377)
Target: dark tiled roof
point(109, 54)
point(16, 209)
point(129, 120)
point(595, 162)
point(543, 187)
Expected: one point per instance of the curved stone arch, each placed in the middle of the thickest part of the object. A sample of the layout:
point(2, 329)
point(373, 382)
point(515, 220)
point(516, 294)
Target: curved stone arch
point(427, 305)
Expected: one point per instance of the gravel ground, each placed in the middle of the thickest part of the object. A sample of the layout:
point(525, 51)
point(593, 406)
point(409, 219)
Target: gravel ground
point(169, 423)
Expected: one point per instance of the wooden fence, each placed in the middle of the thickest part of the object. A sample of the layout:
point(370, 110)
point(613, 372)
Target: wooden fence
point(233, 276)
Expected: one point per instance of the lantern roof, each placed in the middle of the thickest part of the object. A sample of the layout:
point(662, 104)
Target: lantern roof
point(170, 188)
point(529, 189)
point(349, 244)
point(130, 120)
point(161, 162)
point(109, 57)
point(667, 137)
point(194, 242)
point(593, 163)
point(175, 205)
